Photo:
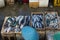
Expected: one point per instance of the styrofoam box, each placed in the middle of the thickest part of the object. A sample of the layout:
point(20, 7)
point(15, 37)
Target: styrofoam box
point(33, 0)
point(2, 4)
point(43, 3)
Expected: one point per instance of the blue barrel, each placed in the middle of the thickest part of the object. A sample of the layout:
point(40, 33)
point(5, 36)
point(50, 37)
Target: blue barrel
point(56, 36)
point(28, 33)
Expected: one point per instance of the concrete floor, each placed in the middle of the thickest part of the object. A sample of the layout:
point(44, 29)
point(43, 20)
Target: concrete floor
point(14, 10)
point(18, 9)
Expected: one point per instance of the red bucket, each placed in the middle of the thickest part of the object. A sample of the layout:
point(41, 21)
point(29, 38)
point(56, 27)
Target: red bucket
point(25, 1)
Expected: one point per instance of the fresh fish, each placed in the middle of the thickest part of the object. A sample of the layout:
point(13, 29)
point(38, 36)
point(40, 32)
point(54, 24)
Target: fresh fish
point(51, 20)
point(37, 21)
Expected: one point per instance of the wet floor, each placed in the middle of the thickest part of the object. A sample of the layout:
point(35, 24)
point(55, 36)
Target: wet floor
point(18, 9)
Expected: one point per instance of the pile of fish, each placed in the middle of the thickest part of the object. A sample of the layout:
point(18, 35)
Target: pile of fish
point(51, 20)
point(16, 23)
point(37, 21)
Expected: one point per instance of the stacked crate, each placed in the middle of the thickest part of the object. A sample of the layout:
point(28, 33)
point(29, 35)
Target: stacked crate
point(5, 34)
point(38, 13)
point(41, 30)
point(15, 35)
point(52, 15)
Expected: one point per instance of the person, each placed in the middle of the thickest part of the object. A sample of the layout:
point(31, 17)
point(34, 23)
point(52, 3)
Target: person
point(28, 33)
